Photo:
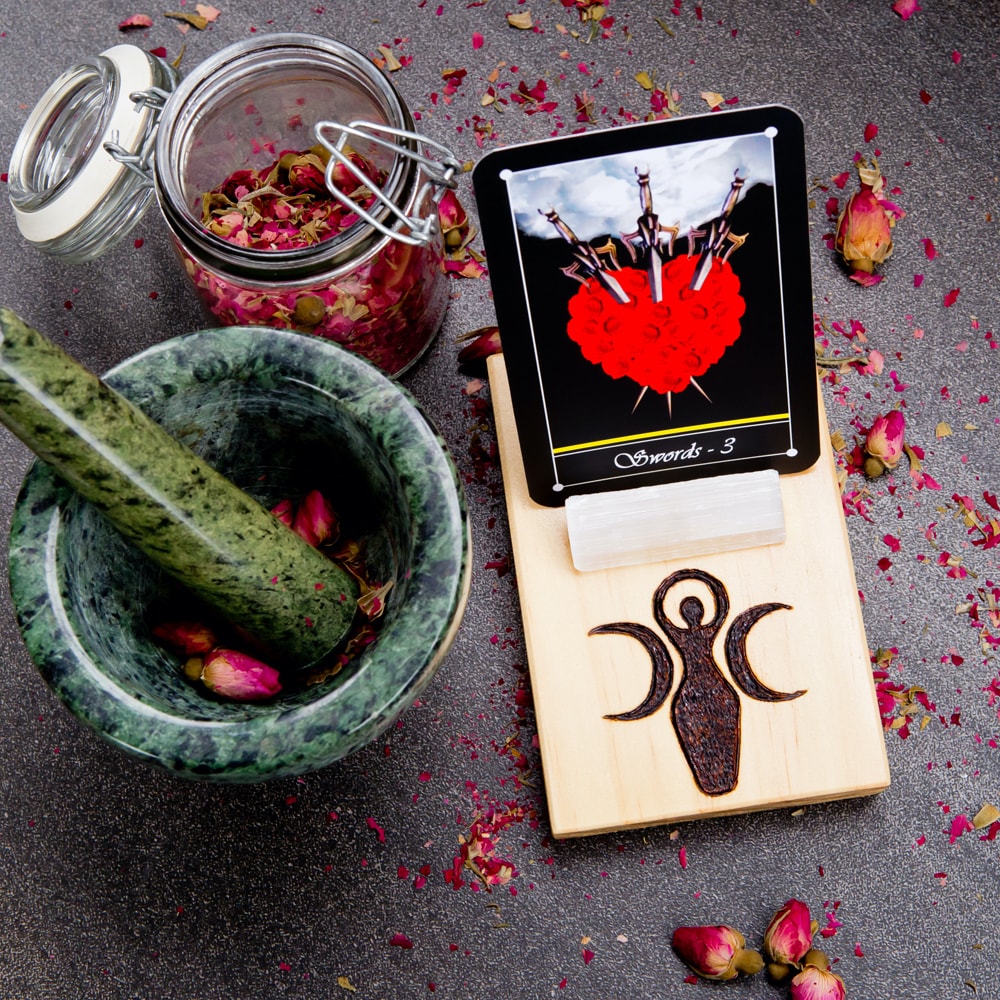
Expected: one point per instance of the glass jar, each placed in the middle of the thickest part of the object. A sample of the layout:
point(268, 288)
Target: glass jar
point(120, 134)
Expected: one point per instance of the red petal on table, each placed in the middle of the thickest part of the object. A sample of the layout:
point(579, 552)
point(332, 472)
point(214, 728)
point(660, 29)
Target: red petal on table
point(906, 8)
point(866, 279)
point(952, 297)
point(136, 21)
point(871, 130)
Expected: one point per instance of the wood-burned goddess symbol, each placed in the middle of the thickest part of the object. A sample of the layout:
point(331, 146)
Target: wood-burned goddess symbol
point(706, 707)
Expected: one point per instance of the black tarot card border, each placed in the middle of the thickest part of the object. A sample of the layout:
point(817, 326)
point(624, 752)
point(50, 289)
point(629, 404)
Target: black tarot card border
point(653, 292)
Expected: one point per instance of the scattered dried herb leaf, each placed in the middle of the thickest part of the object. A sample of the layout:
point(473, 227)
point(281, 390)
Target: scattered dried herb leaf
point(986, 816)
point(391, 62)
point(522, 20)
point(194, 20)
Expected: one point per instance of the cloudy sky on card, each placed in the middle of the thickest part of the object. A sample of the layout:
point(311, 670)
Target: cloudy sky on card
point(689, 183)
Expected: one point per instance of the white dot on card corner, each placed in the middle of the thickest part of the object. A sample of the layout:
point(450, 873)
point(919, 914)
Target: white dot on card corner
point(792, 452)
point(771, 131)
point(557, 487)
point(505, 175)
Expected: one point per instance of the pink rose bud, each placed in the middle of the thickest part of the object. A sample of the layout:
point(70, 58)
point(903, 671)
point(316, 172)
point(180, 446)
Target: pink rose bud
point(284, 512)
point(239, 677)
point(315, 520)
point(715, 952)
point(453, 219)
point(788, 937)
point(884, 443)
point(817, 984)
point(863, 229)
point(188, 637)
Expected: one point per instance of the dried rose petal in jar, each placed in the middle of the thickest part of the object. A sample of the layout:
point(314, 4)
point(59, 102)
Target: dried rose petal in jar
point(386, 310)
point(280, 221)
point(287, 205)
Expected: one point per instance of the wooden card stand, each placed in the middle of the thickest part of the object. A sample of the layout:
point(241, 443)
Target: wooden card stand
point(701, 686)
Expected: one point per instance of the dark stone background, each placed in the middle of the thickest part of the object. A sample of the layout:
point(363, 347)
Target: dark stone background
point(117, 881)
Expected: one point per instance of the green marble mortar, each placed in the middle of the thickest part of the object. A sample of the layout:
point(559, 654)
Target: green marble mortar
point(205, 531)
point(278, 414)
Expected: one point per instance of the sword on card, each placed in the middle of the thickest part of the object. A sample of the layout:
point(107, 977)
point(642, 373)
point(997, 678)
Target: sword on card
point(587, 261)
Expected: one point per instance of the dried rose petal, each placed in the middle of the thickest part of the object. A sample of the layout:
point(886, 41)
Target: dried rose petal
point(210, 14)
point(188, 637)
point(136, 21)
point(482, 343)
point(284, 512)
point(235, 675)
point(715, 952)
point(789, 934)
point(906, 8)
point(817, 984)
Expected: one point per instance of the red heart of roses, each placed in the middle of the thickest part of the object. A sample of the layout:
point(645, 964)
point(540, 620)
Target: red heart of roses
point(663, 344)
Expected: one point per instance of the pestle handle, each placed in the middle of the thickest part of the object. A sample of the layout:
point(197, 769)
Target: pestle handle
point(185, 516)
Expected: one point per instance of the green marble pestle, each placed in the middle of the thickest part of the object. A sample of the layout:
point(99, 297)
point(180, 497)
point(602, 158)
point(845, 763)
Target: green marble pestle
point(189, 519)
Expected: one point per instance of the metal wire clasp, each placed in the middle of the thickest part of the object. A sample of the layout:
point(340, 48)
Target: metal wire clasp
point(440, 173)
point(140, 161)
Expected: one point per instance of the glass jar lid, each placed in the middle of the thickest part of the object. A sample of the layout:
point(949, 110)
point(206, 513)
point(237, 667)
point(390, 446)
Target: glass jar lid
point(78, 177)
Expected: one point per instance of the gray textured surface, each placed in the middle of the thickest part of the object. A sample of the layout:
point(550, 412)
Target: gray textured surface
point(120, 882)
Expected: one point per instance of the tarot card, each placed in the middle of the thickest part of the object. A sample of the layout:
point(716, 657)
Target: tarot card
point(652, 289)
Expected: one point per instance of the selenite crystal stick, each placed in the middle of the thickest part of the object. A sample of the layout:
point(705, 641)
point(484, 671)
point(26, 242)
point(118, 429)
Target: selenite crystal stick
point(675, 520)
point(185, 516)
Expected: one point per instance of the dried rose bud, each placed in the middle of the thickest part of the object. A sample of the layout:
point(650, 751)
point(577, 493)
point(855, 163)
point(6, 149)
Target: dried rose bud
point(240, 677)
point(884, 443)
point(453, 219)
point(863, 228)
point(789, 934)
point(482, 343)
point(284, 512)
point(715, 952)
point(817, 984)
point(188, 637)
point(315, 519)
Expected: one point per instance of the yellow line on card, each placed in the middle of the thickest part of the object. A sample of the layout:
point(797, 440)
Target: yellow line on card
point(651, 435)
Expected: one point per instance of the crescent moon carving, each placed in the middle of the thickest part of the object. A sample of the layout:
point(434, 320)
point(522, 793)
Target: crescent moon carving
point(663, 670)
point(736, 654)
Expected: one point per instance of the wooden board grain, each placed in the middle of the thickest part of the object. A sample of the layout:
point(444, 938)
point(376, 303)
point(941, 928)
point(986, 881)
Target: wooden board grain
point(606, 774)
